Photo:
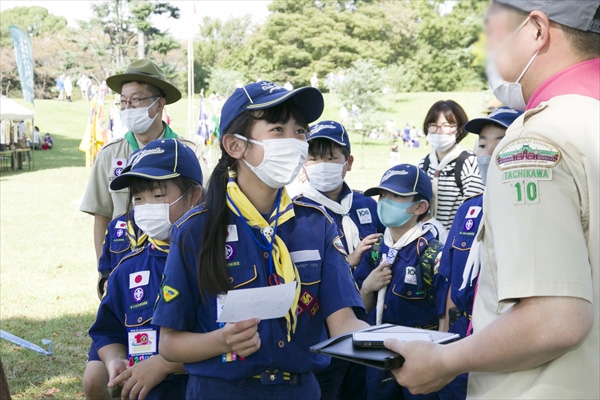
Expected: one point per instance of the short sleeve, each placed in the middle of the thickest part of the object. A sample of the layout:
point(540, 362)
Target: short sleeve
point(105, 264)
point(441, 285)
point(539, 242)
point(179, 293)
point(338, 288)
point(97, 199)
point(108, 328)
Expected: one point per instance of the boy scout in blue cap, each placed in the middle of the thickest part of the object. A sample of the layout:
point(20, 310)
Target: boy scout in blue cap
point(165, 181)
point(249, 234)
point(400, 284)
point(329, 159)
point(459, 264)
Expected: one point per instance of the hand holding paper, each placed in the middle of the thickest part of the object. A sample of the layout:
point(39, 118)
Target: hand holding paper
point(263, 303)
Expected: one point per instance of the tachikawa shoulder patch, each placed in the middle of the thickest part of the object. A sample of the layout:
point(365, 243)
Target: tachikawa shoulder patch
point(528, 152)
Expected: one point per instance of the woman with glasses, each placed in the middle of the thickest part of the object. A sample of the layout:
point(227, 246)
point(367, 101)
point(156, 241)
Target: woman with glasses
point(453, 170)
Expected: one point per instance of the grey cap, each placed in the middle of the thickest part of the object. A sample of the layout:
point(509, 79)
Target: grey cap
point(577, 14)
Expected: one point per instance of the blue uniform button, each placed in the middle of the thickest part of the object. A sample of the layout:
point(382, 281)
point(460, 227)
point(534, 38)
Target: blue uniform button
point(281, 344)
point(266, 254)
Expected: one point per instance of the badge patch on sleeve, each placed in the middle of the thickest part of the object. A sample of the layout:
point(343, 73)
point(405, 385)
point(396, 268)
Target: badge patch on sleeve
point(523, 164)
point(169, 293)
point(337, 243)
point(526, 152)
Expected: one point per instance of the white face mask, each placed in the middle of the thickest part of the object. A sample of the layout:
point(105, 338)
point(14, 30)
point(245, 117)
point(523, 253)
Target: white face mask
point(281, 162)
point(137, 119)
point(153, 219)
point(441, 142)
point(483, 162)
point(325, 176)
point(509, 93)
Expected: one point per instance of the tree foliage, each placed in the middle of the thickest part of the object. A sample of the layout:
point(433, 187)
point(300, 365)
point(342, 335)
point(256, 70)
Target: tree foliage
point(34, 20)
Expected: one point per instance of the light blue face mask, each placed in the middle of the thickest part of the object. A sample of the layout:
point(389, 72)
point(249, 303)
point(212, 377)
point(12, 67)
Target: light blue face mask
point(392, 213)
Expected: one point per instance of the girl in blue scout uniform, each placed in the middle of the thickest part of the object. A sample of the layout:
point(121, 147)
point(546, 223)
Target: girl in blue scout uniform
point(165, 181)
point(459, 264)
point(119, 240)
point(250, 234)
point(355, 215)
point(399, 282)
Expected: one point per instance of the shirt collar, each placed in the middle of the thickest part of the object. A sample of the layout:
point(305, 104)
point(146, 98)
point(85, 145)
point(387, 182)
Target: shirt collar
point(582, 78)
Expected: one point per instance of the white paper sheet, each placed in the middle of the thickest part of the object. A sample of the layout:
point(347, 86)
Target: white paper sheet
point(264, 303)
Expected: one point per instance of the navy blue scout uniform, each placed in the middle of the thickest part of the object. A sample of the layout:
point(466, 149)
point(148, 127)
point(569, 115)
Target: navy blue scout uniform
point(341, 376)
point(364, 209)
point(327, 286)
point(454, 258)
point(416, 296)
point(461, 237)
point(117, 244)
point(121, 237)
point(126, 310)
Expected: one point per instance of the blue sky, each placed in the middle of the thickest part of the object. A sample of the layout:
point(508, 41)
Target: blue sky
point(81, 10)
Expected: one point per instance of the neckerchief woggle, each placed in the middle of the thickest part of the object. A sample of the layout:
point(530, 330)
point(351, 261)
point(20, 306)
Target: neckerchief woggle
point(280, 261)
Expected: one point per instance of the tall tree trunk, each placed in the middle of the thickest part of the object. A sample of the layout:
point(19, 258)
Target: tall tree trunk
point(141, 44)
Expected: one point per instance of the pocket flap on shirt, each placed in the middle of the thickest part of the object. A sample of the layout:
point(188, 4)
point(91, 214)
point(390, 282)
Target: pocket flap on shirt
point(240, 276)
point(304, 256)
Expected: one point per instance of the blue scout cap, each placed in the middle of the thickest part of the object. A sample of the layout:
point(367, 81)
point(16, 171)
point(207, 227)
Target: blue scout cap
point(159, 160)
point(262, 95)
point(574, 14)
point(404, 180)
point(330, 130)
point(503, 117)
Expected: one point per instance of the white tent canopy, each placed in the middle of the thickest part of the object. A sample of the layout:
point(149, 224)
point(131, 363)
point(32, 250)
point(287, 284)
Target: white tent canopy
point(13, 111)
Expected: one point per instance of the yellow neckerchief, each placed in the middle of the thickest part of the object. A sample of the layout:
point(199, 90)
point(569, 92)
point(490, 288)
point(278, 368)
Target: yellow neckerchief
point(136, 241)
point(284, 266)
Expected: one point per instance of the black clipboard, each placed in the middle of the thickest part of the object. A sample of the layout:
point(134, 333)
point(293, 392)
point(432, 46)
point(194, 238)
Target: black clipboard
point(341, 347)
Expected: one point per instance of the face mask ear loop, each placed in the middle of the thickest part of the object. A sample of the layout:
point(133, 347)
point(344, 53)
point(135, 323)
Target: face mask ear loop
point(527, 66)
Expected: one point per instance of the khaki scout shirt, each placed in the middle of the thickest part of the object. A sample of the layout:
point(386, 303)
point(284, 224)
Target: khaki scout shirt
point(99, 198)
point(541, 238)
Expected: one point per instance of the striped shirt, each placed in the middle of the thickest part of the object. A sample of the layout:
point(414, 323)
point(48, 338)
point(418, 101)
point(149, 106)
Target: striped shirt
point(449, 196)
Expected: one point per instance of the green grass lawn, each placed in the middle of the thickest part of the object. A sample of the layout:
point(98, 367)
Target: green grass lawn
point(47, 267)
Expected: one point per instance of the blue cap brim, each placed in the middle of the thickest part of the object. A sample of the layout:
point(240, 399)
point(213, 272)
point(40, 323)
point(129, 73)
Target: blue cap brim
point(310, 102)
point(476, 125)
point(153, 174)
point(374, 191)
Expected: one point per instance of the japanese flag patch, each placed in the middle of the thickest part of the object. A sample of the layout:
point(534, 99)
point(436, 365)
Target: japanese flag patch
point(141, 278)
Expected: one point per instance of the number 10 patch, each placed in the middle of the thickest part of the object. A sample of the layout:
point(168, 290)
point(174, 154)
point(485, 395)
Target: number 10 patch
point(526, 191)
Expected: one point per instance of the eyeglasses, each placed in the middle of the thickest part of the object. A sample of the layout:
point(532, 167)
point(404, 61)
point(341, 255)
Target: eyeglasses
point(135, 102)
point(445, 128)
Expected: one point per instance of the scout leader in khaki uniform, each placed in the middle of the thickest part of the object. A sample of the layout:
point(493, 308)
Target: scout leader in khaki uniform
point(537, 308)
point(144, 94)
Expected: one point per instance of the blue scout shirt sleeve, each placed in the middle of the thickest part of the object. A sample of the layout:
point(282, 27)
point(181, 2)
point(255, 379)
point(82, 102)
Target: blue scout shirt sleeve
point(338, 288)
point(109, 328)
point(179, 294)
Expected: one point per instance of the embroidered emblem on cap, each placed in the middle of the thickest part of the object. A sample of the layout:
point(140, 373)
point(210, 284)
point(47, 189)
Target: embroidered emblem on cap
point(391, 173)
